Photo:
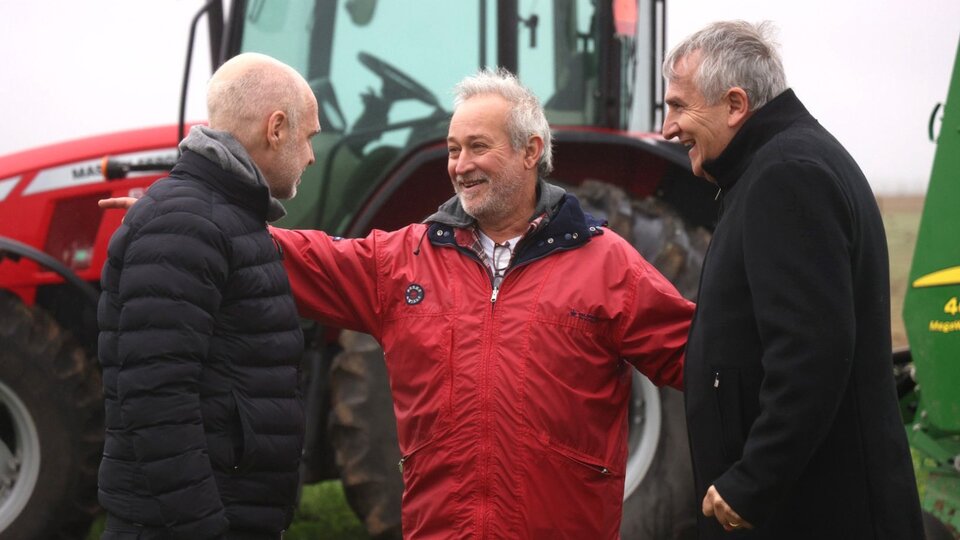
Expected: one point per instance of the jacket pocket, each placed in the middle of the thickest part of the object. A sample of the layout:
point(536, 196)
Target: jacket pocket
point(242, 436)
point(726, 387)
point(568, 494)
point(586, 463)
point(421, 448)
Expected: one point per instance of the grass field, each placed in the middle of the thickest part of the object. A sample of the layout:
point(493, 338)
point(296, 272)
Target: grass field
point(323, 511)
point(901, 219)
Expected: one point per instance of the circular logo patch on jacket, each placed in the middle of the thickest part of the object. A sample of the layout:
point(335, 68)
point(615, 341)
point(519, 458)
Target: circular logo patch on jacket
point(414, 294)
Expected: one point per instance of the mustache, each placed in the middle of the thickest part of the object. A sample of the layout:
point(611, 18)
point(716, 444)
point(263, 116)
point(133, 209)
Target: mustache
point(471, 177)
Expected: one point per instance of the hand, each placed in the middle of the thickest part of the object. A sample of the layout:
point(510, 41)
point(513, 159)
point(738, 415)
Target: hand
point(123, 203)
point(714, 505)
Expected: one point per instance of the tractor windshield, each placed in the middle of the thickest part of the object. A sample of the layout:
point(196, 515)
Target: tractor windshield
point(383, 73)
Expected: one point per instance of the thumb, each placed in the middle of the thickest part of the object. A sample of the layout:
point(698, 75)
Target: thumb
point(707, 506)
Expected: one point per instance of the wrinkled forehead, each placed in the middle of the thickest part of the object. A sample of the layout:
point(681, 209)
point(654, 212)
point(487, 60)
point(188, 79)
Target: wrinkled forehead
point(480, 115)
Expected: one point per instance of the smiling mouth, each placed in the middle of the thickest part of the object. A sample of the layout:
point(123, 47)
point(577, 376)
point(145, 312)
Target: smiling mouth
point(467, 183)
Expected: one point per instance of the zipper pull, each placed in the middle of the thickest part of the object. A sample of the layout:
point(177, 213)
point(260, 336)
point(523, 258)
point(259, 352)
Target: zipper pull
point(716, 379)
point(400, 464)
point(493, 297)
point(717, 196)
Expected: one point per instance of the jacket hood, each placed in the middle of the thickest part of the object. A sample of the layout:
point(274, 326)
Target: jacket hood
point(226, 151)
point(452, 213)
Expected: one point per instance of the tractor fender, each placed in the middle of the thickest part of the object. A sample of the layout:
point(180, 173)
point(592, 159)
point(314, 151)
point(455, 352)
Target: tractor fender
point(10, 248)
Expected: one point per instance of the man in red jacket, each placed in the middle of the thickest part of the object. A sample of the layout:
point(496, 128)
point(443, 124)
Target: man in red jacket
point(509, 321)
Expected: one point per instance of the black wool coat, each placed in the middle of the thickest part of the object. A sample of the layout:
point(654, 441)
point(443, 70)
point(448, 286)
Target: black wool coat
point(200, 345)
point(790, 398)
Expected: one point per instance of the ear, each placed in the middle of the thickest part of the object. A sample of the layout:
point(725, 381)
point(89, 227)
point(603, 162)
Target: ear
point(277, 125)
point(532, 152)
point(738, 106)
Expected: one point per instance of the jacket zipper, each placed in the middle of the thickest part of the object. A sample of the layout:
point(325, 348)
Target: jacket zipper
point(495, 293)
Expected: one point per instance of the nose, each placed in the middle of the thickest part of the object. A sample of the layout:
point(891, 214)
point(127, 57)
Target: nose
point(463, 163)
point(670, 128)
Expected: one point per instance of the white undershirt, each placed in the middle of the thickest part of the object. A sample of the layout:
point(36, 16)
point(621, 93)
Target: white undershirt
point(502, 254)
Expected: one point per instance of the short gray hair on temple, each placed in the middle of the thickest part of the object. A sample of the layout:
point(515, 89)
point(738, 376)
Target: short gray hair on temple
point(526, 118)
point(733, 54)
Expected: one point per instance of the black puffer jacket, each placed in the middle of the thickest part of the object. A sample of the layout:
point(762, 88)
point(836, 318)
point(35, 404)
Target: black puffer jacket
point(200, 345)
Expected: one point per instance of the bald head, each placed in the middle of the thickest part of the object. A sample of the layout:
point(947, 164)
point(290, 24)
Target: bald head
point(247, 89)
point(271, 110)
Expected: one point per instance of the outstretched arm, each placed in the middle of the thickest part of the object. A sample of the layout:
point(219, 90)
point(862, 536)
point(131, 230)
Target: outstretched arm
point(334, 280)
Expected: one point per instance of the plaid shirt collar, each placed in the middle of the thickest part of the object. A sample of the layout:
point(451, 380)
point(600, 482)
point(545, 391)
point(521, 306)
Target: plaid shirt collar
point(470, 239)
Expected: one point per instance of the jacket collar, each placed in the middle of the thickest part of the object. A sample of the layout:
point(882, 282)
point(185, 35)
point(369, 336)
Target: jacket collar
point(452, 213)
point(233, 171)
point(763, 125)
point(564, 225)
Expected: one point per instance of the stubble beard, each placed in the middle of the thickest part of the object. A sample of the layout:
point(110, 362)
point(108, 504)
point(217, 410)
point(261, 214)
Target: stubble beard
point(288, 176)
point(504, 194)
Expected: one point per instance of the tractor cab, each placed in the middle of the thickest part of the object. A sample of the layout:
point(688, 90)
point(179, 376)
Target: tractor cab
point(383, 74)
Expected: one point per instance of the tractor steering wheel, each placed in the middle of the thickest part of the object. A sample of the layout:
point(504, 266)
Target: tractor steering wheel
point(396, 84)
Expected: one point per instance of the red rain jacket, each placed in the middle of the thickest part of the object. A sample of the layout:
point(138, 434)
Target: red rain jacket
point(511, 414)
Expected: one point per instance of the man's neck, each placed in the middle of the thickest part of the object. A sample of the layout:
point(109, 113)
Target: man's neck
point(505, 229)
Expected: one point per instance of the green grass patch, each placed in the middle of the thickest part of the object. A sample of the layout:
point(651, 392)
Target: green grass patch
point(323, 513)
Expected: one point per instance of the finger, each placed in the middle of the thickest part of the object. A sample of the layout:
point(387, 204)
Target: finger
point(122, 203)
point(728, 522)
point(707, 506)
point(733, 516)
point(108, 203)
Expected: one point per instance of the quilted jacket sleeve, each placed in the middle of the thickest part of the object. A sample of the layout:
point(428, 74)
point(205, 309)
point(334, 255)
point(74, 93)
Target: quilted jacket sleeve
point(174, 268)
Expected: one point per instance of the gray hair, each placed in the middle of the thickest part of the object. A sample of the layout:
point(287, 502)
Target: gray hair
point(525, 119)
point(733, 54)
point(247, 88)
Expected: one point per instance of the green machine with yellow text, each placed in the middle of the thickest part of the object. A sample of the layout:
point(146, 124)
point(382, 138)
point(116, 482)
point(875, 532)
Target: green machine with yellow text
point(930, 385)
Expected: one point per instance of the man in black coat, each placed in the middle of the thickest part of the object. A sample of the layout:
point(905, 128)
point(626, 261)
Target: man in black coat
point(791, 407)
point(200, 340)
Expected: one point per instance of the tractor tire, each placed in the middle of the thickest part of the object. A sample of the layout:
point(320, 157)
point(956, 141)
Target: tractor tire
point(51, 427)
point(659, 497)
point(363, 433)
point(934, 529)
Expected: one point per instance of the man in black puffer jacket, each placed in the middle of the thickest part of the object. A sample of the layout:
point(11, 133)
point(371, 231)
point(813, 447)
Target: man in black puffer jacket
point(200, 341)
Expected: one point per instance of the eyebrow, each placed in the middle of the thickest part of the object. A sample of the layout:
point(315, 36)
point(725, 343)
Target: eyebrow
point(470, 138)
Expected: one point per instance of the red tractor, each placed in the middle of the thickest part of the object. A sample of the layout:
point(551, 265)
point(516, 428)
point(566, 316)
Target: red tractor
point(382, 73)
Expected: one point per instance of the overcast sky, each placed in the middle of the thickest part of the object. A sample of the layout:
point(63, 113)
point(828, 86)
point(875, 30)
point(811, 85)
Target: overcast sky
point(871, 72)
